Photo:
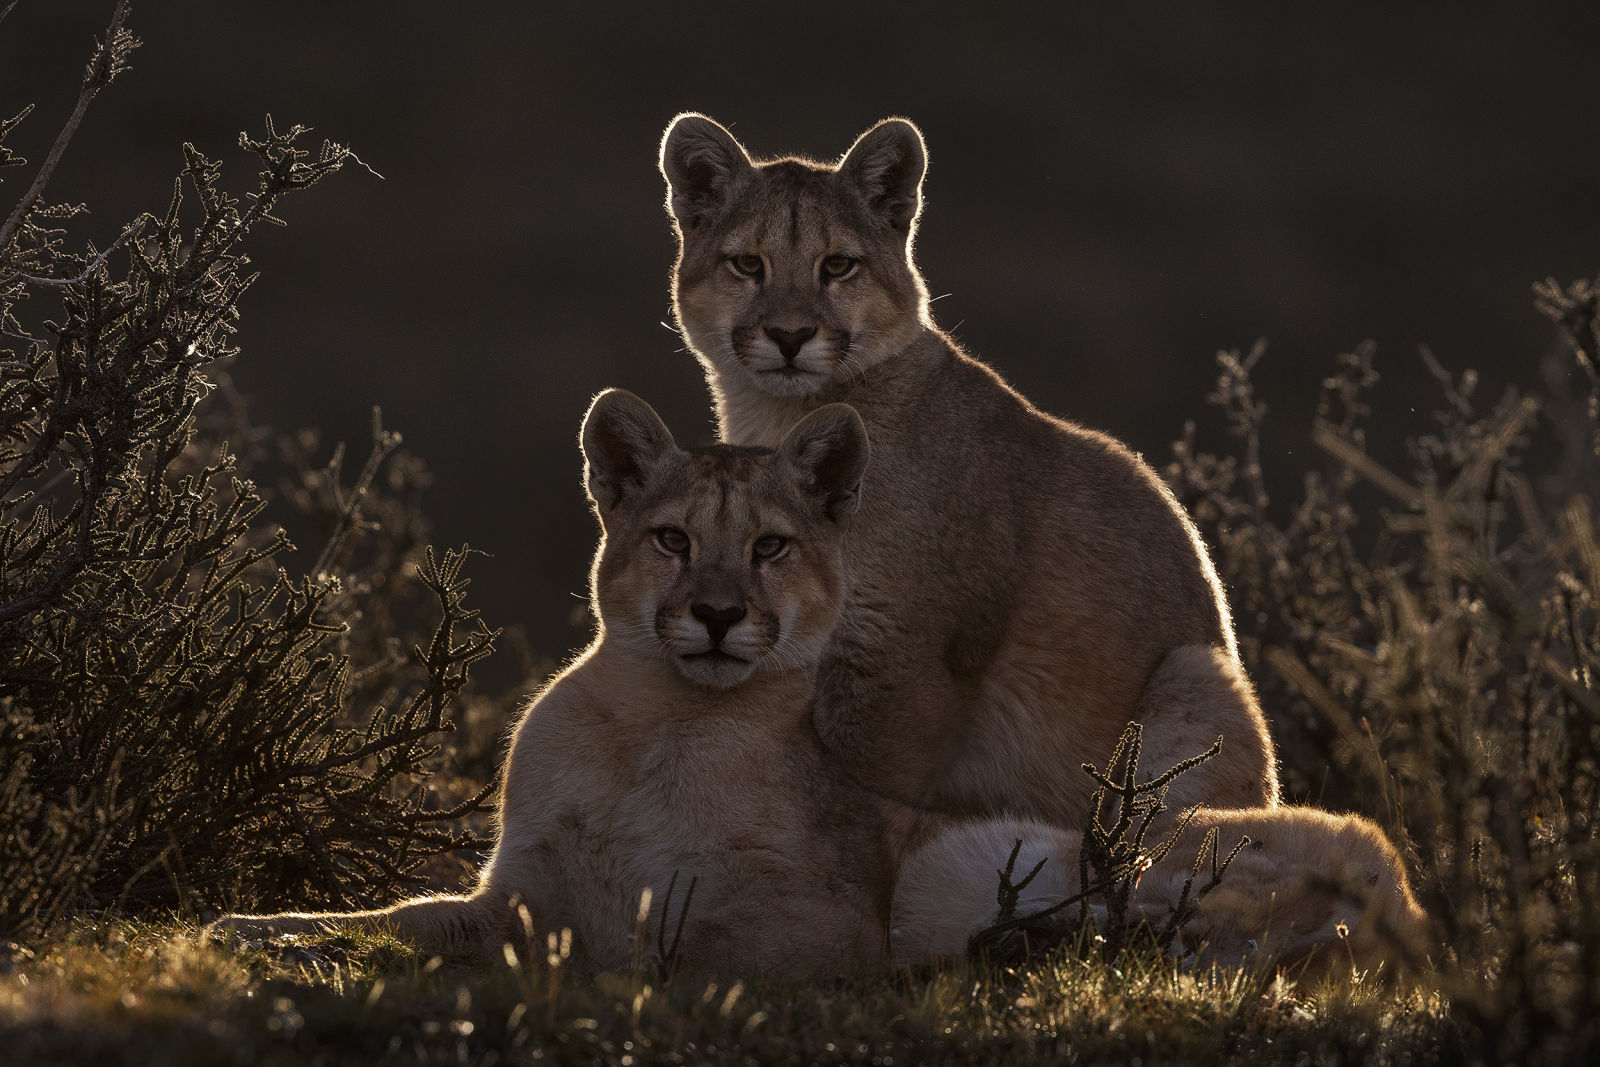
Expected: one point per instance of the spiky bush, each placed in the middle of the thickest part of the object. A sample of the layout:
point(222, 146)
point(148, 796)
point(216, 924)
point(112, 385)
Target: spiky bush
point(1426, 642)
point(183, 721)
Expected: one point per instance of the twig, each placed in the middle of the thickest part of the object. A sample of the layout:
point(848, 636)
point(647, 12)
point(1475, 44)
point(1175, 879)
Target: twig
point(1010, 892)
point(101, 70)
point(1185, 909)
point(383, 445)
point(364, 165)
point(166, 850)
point(1353, 457)
point(1117, 854)
point(101, 258)
point(665, 956)
point(984, 941)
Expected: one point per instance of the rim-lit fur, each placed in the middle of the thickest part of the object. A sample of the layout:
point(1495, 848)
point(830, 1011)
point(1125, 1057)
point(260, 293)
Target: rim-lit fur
point(794, 213)
point(650, 772)
point(645, 766)
point(1018, 587)
point(1311, 890)
point(722, 501)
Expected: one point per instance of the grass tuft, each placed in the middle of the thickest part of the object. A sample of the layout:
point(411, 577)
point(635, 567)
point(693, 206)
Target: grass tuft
point(137, 993)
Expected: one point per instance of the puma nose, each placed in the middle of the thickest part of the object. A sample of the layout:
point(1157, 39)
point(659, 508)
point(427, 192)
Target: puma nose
point(717, 620)
point(789, 341)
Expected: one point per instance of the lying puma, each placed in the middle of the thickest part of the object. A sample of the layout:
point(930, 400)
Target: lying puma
point(678, 751)
point(1019, 587)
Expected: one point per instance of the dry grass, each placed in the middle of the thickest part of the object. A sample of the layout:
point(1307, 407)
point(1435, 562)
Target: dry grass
point(143, 993)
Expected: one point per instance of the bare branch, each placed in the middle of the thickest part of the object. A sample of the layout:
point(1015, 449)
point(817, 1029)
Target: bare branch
point(131, 231)
point(106, 64)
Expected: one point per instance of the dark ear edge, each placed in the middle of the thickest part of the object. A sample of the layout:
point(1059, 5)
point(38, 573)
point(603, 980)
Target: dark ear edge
point(828, 449)
point(700, 160)
point(622, 440)
point(887, 164)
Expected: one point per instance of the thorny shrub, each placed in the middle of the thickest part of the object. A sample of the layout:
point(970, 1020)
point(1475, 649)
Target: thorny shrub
point(1431, 658)
point(182, 721)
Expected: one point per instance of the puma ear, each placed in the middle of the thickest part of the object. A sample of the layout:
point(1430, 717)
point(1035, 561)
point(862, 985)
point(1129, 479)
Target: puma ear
point(700, 161)
point(828, 449)
point(886, 164)
point(623, 438)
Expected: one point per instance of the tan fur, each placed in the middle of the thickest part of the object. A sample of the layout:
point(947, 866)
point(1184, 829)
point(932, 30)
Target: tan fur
point(649, 764)
point(1019, 587)
point(1310, 888)
point(664, 752)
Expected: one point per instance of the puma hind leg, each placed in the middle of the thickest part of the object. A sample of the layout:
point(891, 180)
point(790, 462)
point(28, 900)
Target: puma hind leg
point(945, 892)
point(1198, 693)
point(1311, 886)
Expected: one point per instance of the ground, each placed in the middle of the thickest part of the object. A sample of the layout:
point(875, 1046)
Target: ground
point(148, 993)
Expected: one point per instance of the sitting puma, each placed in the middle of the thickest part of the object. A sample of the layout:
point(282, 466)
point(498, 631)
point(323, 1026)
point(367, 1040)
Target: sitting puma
point(1018, 587)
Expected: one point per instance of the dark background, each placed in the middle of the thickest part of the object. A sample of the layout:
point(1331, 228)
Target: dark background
point(1111, 199)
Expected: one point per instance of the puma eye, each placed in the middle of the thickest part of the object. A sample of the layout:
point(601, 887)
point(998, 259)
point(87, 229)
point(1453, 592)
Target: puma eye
point(748, 265)
point(837, 267)
point(770, 547)
point(672, 541)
